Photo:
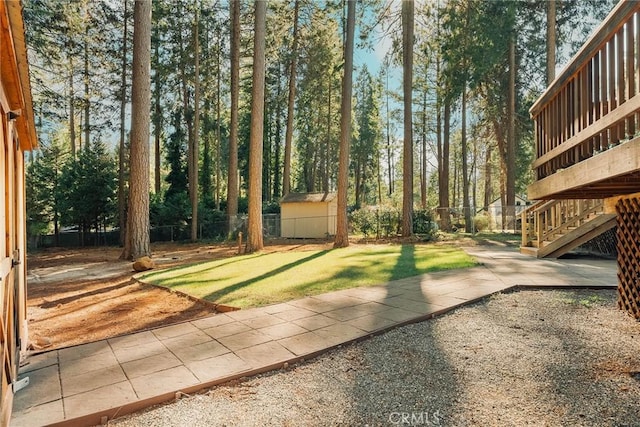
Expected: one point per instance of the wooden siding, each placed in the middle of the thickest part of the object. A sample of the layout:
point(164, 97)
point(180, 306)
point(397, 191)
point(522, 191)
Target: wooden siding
point(17, 134)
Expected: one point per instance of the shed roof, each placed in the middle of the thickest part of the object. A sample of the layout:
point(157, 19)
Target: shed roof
point(308, 198)
point(14, 71)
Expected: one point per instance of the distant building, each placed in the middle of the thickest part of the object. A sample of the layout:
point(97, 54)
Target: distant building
point(308, 215)
point(495, 214)
point(17, 135)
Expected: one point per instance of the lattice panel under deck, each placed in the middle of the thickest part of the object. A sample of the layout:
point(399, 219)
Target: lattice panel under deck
point(628, 246)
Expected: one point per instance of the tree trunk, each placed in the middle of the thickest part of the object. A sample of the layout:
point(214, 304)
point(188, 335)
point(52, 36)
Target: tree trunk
point(286, 174)
point(357, 178)
point(488, 178)
point(511, 139)
point(407, 86)
point(379, 181)
point(218, 125)
point(466, 204)
point(72, 111)
point(325, 160)
point(266, 154)
point(443, 190)
point(254, 226)
point(456, 181)
point(342, 228)
point(423, 154)
point(551, 41)
point(389, 148)
point(137, 241)
point(157, 127)
point(122, 221)
point(278, 141)
point(195, 156)
point(87, 100)
point(232, 183)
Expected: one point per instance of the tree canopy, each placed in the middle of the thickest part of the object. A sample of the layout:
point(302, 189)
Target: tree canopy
point(477, 66)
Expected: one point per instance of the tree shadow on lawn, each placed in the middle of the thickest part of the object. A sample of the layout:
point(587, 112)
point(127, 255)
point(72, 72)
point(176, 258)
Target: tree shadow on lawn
point(402, 265)
point(217, 295)
point(407, 259)
point(356, 274)
point(176, 270)
point(349, 277)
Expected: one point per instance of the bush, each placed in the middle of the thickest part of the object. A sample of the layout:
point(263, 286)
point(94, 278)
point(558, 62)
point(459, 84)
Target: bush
point(363, 221)
point(424, 225)
point(481, 222)
point(390, 220)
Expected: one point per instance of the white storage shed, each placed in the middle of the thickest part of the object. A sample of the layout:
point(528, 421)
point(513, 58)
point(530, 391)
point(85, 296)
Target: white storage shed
point(308, 215)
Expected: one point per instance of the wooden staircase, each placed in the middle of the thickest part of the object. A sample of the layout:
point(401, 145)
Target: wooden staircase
point(551, 228)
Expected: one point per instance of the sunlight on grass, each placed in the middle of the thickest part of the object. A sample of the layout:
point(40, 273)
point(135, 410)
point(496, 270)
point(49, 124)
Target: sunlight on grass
point(260, 279)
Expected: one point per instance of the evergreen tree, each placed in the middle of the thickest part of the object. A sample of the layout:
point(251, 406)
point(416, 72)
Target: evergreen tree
point(88, 189)
point(365, 145)
point(43, 193)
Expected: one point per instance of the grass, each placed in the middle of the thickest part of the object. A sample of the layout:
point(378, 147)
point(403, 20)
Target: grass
point(587, 302)
point(267, 278)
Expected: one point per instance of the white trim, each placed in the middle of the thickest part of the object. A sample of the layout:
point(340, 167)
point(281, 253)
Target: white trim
point(5, 267)
point(3, 98)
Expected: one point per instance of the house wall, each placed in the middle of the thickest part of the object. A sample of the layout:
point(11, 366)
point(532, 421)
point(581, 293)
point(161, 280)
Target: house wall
point(308, 220)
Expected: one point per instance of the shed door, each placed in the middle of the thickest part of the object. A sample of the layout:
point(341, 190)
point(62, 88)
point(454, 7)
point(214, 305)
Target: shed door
point(9, 277)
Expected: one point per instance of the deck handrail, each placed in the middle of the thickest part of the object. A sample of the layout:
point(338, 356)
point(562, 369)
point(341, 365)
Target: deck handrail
point(545, 220)
point(612, 23)
point(594, 103)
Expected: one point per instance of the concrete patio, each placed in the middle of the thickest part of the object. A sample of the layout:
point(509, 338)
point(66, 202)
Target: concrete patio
point(95, 382)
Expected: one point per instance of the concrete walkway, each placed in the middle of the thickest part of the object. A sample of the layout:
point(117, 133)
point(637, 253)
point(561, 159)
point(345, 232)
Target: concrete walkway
point(92, 383)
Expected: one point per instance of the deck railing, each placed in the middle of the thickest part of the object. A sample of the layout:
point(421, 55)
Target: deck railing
point(593, 104)
point(546, 220)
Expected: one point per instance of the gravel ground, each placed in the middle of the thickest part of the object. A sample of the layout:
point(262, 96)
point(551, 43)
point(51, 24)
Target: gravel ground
point(528, 358)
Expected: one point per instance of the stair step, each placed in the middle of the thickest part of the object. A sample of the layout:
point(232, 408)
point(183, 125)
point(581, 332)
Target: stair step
point(529, 250)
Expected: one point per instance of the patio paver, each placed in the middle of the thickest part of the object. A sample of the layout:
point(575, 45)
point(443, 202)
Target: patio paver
point(111, 377)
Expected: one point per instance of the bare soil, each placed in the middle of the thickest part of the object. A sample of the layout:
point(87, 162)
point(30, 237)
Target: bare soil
point(82, 295)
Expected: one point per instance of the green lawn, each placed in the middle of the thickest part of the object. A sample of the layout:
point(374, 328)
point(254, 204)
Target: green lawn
point(267, 278)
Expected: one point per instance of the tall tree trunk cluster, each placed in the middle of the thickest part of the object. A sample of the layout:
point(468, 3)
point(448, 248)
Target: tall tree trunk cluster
point(289, 127)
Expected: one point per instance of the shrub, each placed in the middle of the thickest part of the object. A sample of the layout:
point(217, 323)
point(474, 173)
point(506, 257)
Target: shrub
point(363, 221)
point(481, 222)
point(424, 225)
point(390, 220)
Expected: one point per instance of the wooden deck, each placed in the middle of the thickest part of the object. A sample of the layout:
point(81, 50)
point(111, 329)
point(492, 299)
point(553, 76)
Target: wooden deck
point(587, 132)
point(587, 123)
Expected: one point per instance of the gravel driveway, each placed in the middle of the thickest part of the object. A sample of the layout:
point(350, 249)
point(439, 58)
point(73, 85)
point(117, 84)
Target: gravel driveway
point(536, 358)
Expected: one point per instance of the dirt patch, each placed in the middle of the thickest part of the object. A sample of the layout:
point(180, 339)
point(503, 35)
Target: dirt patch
point(82, 295)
